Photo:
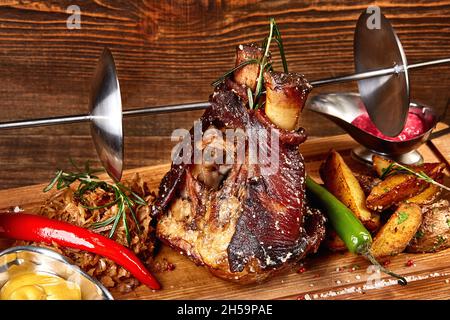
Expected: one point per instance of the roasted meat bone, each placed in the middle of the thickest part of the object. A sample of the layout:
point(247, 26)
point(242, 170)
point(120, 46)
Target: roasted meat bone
point(248, 74)
point(242, 224)
point(286, 94)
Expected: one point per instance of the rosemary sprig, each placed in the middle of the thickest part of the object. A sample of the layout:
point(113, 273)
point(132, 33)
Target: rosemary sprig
point(263, 61)
point(279, 42)
point(239, 66)
point(124, 197)
point(395, 167)
point(275, 35)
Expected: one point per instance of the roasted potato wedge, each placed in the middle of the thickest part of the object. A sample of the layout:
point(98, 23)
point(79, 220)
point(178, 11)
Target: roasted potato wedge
point(340, 181)
point(402, 186)
point(374, 223)
point(398, 231)
point(380, 164)
point(427, 196)
point(434, 232)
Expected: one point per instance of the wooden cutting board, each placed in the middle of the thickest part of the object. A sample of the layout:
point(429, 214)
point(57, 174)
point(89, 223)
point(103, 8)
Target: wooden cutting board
point(326, 275)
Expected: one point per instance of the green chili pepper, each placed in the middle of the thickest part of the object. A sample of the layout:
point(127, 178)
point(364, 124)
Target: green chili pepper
point(355, 236)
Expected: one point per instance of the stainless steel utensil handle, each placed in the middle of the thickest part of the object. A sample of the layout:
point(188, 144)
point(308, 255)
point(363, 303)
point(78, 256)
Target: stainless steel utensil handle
point(378, 73)
point(356, 76)
point(44, 122)
point(203, 105)
point(428, 63)
point(86, 117)
point(166, 109)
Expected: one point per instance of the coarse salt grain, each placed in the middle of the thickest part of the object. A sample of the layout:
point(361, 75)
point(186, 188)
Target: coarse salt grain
point(17, 209)
point(358, 277)
point(381, 284)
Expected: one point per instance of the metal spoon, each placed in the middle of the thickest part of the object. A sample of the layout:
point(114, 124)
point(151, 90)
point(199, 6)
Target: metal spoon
point(105, 106)
point(105, 116)
point(387, 97)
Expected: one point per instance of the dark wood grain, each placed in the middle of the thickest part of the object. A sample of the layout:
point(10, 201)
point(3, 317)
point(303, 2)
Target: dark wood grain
point(168, 52)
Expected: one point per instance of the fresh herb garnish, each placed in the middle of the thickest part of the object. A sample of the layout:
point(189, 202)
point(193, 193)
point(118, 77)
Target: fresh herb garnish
point(440, 240)
point(395, 167)
point(448, 222)
point(263, 61)
point(124, 197)
point(264, 64)
point(419, 234)
point(279, 42)
point(239, 66)
point(402, 217)
point(274, 34)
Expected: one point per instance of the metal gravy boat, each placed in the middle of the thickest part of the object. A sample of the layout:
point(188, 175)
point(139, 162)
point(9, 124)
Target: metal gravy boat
point(343, 108)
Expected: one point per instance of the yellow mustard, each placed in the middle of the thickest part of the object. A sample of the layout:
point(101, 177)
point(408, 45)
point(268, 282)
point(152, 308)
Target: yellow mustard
point(39, 286)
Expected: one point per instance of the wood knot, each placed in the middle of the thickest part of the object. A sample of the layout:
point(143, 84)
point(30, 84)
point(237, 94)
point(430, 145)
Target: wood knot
point(148, 28)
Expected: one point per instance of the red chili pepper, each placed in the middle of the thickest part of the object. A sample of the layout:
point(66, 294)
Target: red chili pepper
point(36, 228)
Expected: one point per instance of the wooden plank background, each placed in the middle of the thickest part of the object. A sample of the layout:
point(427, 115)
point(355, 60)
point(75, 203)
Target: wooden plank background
point(168, 52)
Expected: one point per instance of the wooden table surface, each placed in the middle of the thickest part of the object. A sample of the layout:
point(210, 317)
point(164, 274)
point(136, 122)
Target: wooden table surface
point(169, 52)
point(326, 275)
